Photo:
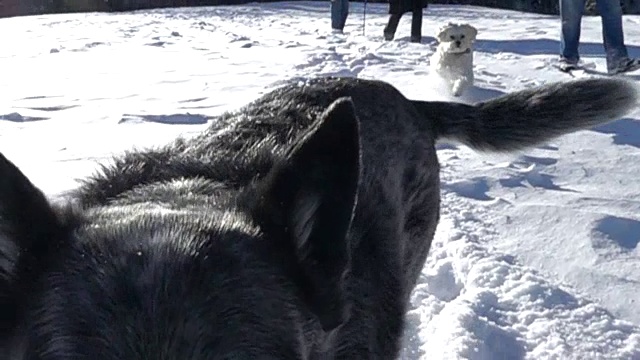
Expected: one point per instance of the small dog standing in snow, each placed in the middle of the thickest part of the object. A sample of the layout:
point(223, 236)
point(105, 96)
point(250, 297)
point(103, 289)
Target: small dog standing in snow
point(453, 59)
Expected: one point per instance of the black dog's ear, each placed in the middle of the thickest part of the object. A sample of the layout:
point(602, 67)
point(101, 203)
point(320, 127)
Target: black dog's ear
point(309, 201)
point(28, 230)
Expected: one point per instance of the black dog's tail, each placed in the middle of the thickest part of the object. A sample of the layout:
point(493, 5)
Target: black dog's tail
point(527, 118)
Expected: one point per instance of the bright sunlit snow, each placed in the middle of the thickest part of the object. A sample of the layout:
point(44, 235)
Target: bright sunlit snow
point(537, 255)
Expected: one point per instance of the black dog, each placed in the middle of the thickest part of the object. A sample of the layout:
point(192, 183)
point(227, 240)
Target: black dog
point(295, 228)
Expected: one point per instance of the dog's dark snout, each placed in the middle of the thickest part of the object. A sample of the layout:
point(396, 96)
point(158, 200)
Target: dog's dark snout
point(458, 42)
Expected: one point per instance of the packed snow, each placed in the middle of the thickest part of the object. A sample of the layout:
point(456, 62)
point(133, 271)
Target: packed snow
point(537, 255)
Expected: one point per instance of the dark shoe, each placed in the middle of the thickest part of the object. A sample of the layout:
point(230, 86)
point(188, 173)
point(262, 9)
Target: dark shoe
point(416, 38)
point(625, 65)
point(388, 36)
point(567, 65)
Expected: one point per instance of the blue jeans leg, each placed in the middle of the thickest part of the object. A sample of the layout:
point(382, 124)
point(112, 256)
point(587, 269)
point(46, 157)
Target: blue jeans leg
point(571, 15)
point(612, 33)
point(339, 13)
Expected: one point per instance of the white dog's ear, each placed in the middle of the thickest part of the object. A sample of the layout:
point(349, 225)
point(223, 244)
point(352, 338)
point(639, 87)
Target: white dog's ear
point(443, 32)
point(472, 31)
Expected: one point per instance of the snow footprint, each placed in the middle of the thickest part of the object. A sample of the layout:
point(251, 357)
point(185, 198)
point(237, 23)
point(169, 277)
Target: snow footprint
point(613, 235)
point(529, 171)
point(475, 188)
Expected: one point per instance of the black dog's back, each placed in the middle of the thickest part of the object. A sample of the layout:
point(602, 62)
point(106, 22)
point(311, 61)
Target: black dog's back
point(319, 201)
point(397, 211)
point(244, 144)
point(257, 134)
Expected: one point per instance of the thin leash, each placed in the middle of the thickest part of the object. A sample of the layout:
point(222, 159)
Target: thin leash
point(364, 17)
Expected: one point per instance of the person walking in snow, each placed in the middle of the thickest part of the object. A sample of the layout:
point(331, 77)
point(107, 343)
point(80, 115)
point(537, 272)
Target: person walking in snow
point(397, 8)
point(571, 12)
point(339, 13)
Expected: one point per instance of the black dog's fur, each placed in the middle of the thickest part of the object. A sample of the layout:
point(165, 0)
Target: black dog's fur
point(295, 228)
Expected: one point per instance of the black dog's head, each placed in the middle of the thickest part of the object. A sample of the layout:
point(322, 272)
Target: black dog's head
point(185, 270)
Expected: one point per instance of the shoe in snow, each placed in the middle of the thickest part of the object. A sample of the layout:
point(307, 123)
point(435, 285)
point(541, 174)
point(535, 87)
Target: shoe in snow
point(626, 65)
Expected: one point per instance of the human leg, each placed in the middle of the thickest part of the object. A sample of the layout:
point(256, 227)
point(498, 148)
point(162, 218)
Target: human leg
point(571, 16)
point(416, 24)
point(339, 12)
point(613, 36)
point(392, 26)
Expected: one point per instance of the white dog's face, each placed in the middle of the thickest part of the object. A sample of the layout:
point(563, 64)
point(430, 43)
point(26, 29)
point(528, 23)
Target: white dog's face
point(456, 38)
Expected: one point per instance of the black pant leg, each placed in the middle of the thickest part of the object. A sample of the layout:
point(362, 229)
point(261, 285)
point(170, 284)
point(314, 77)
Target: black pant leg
point(392, 26)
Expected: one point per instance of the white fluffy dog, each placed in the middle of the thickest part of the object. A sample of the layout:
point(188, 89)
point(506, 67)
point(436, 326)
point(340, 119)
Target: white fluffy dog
point(453, 59)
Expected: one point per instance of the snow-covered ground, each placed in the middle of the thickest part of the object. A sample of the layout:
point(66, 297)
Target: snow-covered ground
point(537, 255)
